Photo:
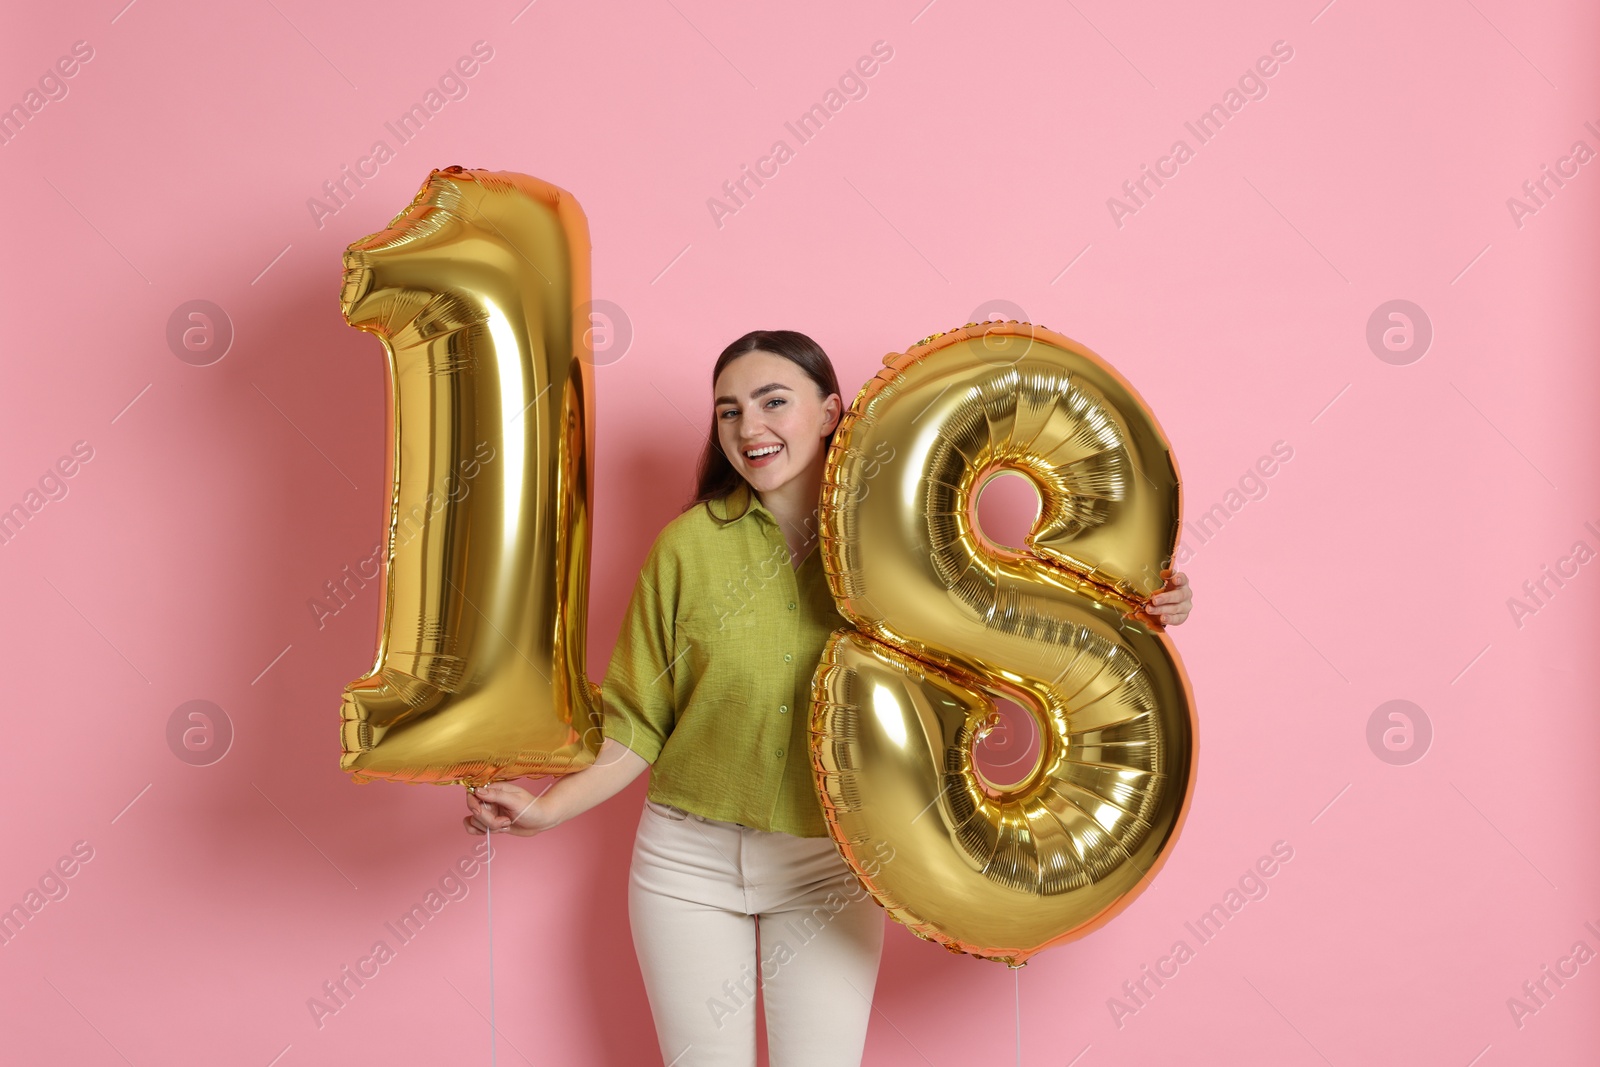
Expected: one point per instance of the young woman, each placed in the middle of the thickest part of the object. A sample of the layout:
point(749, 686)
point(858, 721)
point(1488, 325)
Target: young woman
point(709, 686)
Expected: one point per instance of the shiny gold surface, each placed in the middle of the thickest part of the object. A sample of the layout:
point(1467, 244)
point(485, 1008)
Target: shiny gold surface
point(475, 291)
point(946, 620)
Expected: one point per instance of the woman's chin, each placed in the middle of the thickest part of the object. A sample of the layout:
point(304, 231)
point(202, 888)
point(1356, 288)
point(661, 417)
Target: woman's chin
point(764, 482)
point(770, 476)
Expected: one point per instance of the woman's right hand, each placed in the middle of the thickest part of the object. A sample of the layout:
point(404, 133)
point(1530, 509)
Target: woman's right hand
point(505, 808)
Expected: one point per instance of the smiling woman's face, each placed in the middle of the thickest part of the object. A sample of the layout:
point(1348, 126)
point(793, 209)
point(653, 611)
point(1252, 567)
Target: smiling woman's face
point(762, 401)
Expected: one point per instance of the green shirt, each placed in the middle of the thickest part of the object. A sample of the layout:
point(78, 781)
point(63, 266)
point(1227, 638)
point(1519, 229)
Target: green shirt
point(710, 680)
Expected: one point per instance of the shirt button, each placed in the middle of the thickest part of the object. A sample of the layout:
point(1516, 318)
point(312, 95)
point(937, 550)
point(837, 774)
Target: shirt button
point(791, 605)
point(787, 657)
point(780, 752)
point(782, 708)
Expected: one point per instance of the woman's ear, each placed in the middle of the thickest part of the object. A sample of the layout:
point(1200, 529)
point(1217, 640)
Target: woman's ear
point(833, 409)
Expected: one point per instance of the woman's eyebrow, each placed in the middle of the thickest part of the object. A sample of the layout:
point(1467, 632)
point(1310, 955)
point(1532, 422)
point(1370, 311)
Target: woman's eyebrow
point(769, 387)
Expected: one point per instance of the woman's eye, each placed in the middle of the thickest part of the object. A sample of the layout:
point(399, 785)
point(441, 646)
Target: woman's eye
point(776, 400)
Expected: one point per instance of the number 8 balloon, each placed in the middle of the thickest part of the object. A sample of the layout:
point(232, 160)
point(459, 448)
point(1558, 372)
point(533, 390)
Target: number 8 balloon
point(478, 292)
point(945, 620)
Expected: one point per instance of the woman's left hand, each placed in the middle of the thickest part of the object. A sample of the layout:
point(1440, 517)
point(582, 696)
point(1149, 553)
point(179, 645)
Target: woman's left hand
point(1170, 605)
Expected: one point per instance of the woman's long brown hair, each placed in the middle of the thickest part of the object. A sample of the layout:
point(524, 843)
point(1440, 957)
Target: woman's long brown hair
point(716, 477)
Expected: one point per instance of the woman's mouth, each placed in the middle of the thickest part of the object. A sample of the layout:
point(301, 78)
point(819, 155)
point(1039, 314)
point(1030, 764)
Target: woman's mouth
point(761, 455)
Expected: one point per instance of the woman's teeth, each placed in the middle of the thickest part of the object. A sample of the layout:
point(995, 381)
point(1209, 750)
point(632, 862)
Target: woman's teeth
point(762, 452)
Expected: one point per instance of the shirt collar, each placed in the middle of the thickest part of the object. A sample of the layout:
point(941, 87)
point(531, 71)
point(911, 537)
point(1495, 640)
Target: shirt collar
point(734, 504)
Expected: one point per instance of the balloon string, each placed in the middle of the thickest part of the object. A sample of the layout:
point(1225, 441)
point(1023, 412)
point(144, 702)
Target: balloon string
point(488, 901)
point(1017, 974)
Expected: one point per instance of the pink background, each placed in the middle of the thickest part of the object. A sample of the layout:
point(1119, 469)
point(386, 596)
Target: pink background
point(1378, 566)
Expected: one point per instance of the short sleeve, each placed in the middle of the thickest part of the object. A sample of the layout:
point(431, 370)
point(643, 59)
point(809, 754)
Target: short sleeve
point(637, 695)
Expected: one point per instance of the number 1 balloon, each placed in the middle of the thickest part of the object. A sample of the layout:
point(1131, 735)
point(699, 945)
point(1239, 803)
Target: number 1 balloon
point(479, 293)
point(945, 621)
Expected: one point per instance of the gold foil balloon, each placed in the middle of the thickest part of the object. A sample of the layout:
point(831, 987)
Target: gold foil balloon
point(946, 620)
point(478, 292)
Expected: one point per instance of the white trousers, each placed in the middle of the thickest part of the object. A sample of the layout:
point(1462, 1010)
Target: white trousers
point(699, 891)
